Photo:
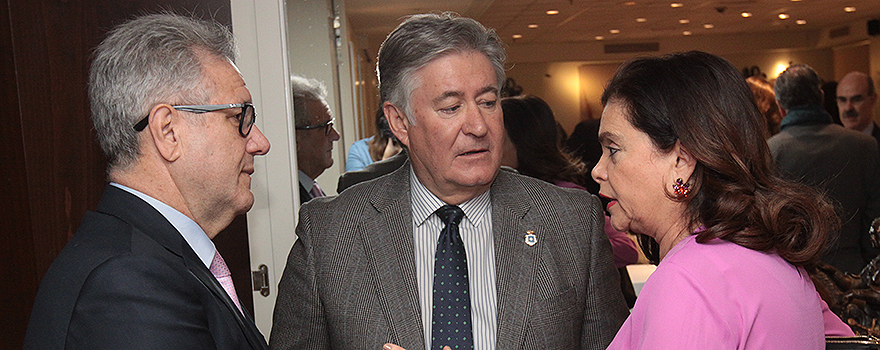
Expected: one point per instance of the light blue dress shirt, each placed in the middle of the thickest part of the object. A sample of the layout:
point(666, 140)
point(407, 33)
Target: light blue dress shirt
point(189, 229)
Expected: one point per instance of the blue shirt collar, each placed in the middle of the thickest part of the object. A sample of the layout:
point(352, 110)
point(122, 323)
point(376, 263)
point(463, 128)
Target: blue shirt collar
point(189, 229)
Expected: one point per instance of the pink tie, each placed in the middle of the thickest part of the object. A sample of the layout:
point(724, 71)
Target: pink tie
point(221, 272)
point(316, 191)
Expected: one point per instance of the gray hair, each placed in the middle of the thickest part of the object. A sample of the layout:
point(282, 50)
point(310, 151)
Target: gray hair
point(149, 60)
point(421, 39)
point(305, 89)
point(798, 85)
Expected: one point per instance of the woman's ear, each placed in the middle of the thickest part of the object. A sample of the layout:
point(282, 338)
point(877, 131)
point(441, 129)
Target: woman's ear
point(164, 131)
point(685, 163)
point(398, 122)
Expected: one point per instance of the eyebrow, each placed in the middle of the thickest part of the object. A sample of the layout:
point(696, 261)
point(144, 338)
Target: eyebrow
point(605, 137)
point(460, 94)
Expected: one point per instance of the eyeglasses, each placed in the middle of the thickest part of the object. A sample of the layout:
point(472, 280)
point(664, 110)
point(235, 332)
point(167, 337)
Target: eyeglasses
point(328, 126)
point(246, 118)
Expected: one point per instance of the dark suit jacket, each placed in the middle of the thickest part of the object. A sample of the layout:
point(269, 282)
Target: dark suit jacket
point(350, 280)
point(304, 196)
point(372, 171)
point(128, 280)
point(876, 133)
point(843, 164)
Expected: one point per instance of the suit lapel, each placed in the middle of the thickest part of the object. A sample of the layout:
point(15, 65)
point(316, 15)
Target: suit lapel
point(515, 261)
point(131, 209)
point(388, 239)
point(199, 271)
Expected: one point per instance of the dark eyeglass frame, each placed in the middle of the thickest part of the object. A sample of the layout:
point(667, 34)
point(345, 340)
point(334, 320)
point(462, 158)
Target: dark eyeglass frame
point(328, 125)
point(244, 127)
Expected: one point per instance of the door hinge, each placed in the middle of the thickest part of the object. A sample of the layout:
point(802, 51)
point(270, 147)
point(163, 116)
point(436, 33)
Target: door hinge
point(261, 280)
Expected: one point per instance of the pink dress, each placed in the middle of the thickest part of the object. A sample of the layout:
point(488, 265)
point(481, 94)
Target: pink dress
point(720, 295)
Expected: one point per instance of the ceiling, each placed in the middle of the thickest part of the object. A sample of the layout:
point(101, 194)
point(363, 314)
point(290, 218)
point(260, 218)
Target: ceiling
point(615, 21)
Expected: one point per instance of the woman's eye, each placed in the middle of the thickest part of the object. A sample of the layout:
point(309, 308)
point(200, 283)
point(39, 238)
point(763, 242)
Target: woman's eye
point(611, 150)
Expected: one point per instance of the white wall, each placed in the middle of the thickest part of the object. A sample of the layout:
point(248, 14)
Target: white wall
point(259, 28)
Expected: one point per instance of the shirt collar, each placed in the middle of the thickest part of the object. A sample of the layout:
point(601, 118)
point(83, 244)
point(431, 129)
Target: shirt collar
point(305, 181)
point(425, 203)
point(189, 229)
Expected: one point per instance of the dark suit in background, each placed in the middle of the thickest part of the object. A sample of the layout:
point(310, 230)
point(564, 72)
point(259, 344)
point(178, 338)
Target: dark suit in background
point(350, 279)
point(371, 171)
point(128, 271)
point(839, 162)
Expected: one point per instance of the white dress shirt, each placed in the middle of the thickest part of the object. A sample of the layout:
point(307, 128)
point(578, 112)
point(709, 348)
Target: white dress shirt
point(476, 232)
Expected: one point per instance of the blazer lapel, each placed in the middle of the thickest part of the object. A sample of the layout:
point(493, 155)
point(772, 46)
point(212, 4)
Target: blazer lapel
point(130, 208)
point(388, 239)
point(515, 261)
point(199, 271)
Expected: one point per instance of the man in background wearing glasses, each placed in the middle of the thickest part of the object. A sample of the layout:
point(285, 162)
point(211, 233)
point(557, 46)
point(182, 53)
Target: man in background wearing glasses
point(314, 134)
point(176, 121)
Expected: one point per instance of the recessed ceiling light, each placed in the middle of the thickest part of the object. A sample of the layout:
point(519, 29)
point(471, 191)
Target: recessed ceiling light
point(533, 26)
point(614, 31)
point(676, 4)
point(629, 3)
point(746, 14)
point(552, 12)
point(641, 19)
point(686, 32)
point(599, 37)
point(849, 9)
point(684, 21)
point(801, 21)
point(783, 16)
point(795, 0)
point(517, 36)
point(708, 26)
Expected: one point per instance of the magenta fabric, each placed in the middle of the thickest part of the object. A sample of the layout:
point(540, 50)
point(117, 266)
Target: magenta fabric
point(623, 248)
point(720, 295)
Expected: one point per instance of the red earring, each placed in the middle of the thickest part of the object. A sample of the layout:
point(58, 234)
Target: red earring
point(680, 189)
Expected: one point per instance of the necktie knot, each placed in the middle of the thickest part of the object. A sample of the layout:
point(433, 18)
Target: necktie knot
point(221, 272)
point(316, 191)
point(218, 266)
point(450, 214)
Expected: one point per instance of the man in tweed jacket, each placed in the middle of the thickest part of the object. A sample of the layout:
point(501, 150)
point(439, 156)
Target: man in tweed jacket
point(539, 265)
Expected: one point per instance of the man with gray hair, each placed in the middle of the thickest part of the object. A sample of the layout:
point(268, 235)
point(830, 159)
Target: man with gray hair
point(176, 121)
point(448, 250)
point(837, 161)
point(314, 134)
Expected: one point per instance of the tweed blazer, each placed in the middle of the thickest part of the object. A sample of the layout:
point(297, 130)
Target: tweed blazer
point(128, 280)
point(350, 280)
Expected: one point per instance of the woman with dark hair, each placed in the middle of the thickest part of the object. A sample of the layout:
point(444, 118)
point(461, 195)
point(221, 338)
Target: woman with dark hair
point(685, 163)
point(532, 147)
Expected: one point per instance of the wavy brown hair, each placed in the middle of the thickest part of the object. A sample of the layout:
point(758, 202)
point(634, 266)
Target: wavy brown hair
point(702, 101)
point(533, 129)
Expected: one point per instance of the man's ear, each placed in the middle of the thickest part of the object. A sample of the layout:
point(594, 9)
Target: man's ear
point(164, 125)
point(398, 122)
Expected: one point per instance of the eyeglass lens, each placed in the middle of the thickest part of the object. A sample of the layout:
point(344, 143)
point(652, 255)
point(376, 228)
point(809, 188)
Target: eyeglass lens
point(246, 120)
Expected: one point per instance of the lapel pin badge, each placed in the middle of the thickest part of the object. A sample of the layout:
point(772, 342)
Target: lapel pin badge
point(531, 238)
